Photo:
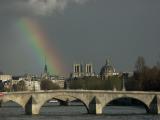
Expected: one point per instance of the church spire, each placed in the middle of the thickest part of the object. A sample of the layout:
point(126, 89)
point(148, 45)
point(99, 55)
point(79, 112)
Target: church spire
point(45, 67)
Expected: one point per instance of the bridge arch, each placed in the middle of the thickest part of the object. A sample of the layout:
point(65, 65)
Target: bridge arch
point(64, 98)
point(14, 101)
point(143, 103)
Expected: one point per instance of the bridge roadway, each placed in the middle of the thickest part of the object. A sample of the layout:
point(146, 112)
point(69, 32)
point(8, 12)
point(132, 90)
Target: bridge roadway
point(93, 100)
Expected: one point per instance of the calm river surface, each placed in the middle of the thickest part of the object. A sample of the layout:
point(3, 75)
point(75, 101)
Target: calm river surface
point(52, 111)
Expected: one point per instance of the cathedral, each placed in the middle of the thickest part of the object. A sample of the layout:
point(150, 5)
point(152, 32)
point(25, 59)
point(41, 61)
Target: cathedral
point(80, 70)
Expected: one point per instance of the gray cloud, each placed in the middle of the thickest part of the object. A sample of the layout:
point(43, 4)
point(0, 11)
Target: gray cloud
point(36, 7)
point(43, 7)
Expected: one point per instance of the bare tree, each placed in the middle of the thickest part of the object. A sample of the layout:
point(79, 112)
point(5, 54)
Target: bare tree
point(140, 64)
point(158, 62)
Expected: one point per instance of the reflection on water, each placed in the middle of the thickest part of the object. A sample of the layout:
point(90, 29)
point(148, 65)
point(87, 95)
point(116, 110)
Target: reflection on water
point(52, 111)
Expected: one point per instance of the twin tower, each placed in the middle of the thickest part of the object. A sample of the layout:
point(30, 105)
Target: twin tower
point(80, 71)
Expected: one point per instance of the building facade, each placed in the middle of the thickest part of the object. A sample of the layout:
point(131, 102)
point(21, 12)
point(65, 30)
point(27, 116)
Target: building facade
point(80, 70)
point(5, 77)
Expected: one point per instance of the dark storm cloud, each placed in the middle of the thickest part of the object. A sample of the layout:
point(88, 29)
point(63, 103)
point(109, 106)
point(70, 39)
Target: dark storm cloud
point(90, 32)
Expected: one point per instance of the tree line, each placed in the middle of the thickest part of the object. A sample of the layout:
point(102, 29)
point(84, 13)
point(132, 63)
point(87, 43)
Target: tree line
point(145, 78)
point(96, 83)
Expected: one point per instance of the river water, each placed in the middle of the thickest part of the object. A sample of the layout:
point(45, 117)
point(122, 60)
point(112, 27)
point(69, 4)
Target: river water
point(52, 111)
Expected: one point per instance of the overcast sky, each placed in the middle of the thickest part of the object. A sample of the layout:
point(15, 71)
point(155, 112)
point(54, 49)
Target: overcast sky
point(84, 31)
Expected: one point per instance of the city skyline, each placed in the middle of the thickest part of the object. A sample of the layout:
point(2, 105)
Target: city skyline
point(76, 31)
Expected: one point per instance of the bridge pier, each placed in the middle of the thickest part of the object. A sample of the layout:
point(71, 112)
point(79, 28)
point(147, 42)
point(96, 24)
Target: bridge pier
point(158, 104)
point(95, 107)
point(0, 103)
point(154, 107)
point(31, 107)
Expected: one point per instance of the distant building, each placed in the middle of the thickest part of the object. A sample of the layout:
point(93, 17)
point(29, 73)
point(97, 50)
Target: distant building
point(5, 77)
point(107, 70)
point(32, 82)
point(16, 79)
point(59, 80)
point(80, 70)
point(60, 83)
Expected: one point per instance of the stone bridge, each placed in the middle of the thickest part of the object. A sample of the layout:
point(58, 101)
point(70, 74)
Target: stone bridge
point(93, 100)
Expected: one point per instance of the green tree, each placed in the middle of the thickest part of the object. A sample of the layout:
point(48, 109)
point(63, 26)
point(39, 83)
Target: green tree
point(158, 62)
point(14, 87)
point(48, 85)
point(21, 86)
point(94, 83)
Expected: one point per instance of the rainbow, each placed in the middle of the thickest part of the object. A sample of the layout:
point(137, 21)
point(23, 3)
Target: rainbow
point(38, 40)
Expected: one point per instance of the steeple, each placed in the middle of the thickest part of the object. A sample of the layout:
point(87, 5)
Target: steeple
point(45, 67)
